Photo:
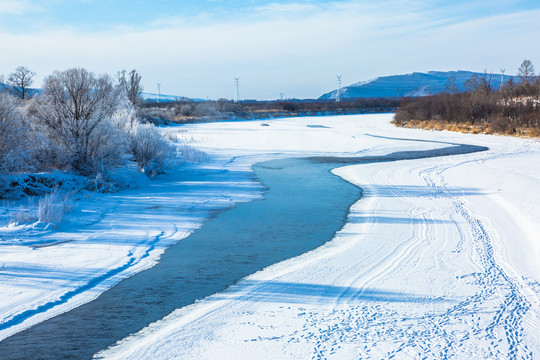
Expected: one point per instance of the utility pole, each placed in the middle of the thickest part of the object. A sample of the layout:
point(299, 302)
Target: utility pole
point(158, 91)
point(338, 94)
point(237, 90)
point(502, 79)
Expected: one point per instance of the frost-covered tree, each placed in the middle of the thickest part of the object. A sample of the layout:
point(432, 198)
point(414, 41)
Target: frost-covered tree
point(20, 80)
point(8, 130)
point(14, 135)
point(75, 108)
point(131, 85)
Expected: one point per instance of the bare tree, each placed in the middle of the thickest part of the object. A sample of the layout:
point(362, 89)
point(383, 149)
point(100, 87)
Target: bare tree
point(75, 108)
point(526, 73)
point(451, 85)
point(486, 82)
point(21, 80)
point(131, 85)
point(473, 84)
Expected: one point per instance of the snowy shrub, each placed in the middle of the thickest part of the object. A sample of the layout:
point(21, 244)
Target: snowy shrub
point(53, 207)
point(45, 153)
point(125, 117)
point(185, 153)
point(186, 110)
point(206, 109)
point(180, 136)
point(21, 216)
point(151, 151)
point(189, 154)
point(102, 183)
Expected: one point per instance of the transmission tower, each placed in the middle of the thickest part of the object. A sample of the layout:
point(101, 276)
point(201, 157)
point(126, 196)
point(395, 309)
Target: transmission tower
point(338, 94)
point(502, 79)
point(158, 91)
point(237, 90)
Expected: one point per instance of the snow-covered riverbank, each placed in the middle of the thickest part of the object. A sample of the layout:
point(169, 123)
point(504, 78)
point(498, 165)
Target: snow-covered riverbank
point(438, 259)
point(439, 249)
point(45, 271)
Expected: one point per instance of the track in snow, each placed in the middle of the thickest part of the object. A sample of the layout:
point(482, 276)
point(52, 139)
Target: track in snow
point(466, 304)
point(486, 324)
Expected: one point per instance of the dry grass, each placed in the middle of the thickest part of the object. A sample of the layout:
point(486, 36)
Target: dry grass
point(468, 128)
point(53, 207)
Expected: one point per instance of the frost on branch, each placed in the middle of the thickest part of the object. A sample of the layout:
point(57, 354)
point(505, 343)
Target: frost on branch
point(80, 122)
point(13, 136)
point(75, 110)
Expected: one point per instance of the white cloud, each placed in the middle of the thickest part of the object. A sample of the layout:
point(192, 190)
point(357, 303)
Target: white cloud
point(17, 7)
point(287, 9)
point(299, 56)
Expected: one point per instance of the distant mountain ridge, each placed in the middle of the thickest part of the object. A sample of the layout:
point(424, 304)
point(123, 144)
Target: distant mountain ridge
point(409, 85)
point(144, 95)
point(166, 98)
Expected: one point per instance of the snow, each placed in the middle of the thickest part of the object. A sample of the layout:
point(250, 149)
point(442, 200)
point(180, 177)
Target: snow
point(48, 270)
point(414, 84)
point(365, 82)
point(438, 258)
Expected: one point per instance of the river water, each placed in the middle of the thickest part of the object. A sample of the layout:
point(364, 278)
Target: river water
point(303, 207)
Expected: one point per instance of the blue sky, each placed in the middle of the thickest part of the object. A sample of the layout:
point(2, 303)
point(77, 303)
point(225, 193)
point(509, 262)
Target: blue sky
point(196, 48)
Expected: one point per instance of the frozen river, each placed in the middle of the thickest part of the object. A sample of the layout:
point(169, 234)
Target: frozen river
point(303, 207)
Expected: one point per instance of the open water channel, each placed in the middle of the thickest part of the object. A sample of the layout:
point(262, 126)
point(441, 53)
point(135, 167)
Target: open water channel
point(303, 207)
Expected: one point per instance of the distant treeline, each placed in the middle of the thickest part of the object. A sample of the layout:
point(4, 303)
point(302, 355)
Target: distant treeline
point(512, 109)
point(188, 111)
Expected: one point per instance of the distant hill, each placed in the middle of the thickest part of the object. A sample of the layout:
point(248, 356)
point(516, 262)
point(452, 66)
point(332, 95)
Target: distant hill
point(29, 91)
point(166, 98)
point(145, 96)
point(409, 85)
